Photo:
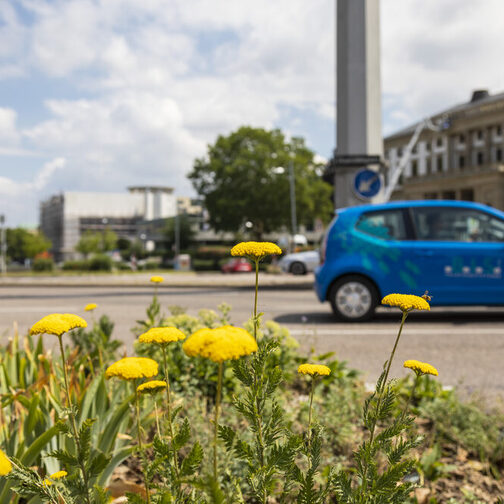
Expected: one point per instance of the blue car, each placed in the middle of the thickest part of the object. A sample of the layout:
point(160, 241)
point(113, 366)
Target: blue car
point(452, 249)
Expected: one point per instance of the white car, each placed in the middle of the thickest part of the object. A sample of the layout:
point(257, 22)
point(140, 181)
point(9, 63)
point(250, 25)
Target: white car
point(300, 263)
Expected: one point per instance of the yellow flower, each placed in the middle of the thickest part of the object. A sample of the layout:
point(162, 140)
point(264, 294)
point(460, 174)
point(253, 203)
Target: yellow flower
point(420, 368)
point(314, 369)
point(57, 324)
point(156, 279)
point(151, 386)
point(218, 345)
point(406, 302)
point(90, 307)
point(5, 464)
point(255, 250)
point(131, 368)
point(58, 475)
point(161, 335)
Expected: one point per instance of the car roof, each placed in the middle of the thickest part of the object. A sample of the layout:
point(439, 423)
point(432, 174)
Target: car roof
point(419, 203)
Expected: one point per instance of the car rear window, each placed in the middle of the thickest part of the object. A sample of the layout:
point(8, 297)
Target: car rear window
point(385, 224)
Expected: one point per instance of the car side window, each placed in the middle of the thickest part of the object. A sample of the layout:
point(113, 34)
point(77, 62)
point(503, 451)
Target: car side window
point(386, 225)
point(456, 224)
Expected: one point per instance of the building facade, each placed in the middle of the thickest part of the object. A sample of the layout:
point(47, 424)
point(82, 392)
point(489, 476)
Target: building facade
point(464, 160)
point(64, 218)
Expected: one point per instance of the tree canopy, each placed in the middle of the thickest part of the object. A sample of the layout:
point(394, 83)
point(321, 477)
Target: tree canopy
point(93, 242)
point(23, 244)
point(240, 181)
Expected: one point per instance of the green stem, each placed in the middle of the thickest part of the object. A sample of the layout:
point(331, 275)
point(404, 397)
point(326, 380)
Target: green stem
point(72, 420)
point(382, 389)
point(310, 418)
point(139, 437)
point(168, 409)
point(216, 419)
point(157, 418)
point(256, 322)
point(404, 413)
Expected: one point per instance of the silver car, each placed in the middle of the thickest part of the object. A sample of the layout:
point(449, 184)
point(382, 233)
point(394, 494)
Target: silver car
point(300, 263)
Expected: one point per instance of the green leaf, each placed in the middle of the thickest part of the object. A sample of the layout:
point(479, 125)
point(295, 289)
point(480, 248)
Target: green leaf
point(182, 436)
point(34, 450)
point(193, 460)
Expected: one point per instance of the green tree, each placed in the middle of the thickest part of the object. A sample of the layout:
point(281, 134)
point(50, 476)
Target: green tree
point(96, 242)
point(239, 181)
point(89, 243)
point(23, 244)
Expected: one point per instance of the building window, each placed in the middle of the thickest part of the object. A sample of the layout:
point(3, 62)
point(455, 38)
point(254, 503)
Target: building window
point(498, 130)
point(427, 146)
point(430, 195)
point(479, 134)
point(461, 162)
point(401, 179)
point(448, 195)
point(414, 168)
point(467, 194)
point(439, 164)
point(439, 142)
point(461, 139)
point(498, 155)
point(399, 152)
point(480, 158)
point(415, 149)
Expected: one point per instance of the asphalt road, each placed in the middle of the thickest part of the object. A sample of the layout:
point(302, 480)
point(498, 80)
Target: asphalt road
point(466, 345)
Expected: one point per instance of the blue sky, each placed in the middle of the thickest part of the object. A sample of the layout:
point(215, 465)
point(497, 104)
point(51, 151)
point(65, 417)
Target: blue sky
point(103, 94)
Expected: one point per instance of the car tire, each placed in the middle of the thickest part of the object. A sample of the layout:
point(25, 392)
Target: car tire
point(297, 268)
point(353, 298)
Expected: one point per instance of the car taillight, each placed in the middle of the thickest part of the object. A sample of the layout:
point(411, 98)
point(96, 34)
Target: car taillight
point(323, 245)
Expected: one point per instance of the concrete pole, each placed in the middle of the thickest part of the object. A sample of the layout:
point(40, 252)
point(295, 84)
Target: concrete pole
point(358, 93)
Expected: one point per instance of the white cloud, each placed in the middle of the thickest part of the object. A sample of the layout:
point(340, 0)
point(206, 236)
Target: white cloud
point(148, 84)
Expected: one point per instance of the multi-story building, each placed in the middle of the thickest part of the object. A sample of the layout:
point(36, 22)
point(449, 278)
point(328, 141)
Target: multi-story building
point(65, 217)
point(464, 160)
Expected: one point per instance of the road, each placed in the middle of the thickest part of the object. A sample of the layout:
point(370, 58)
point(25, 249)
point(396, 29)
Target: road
point(466, 345)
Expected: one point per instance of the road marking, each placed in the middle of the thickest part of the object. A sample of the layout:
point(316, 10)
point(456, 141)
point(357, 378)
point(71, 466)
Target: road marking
point(39, 309)
point(422, 330)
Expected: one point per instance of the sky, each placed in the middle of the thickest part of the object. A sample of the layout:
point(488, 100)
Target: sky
point(99, 95)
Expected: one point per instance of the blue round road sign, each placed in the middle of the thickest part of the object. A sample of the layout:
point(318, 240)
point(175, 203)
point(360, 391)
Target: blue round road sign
point(367, 183)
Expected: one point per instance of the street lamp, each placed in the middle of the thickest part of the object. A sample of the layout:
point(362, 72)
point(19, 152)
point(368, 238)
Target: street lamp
point(292, 187)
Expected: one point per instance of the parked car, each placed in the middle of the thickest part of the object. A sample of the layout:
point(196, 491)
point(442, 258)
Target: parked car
point(236, 265)
point(300, 263)
point(452, 249)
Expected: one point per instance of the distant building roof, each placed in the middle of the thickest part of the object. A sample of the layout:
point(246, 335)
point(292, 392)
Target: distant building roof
point(479, 100)
point(165, 189)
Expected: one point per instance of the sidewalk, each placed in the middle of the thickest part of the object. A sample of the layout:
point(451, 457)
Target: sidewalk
point(171, 279)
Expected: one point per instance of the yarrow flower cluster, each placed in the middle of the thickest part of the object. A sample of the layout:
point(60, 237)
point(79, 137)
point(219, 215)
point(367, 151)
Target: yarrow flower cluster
point(255, 250)
point(420, 368)
point(162, 335)
point(314, 370)
point(152, 386)
point(156, 279)
point(54, 477)
point(5, 464)
point(57, 324)
point(90, 307)
point(406, 302)
point(224, 343)
point(132, 368)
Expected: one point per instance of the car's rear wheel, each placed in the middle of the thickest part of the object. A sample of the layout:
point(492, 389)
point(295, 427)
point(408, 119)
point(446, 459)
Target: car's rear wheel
point(298, 268)
point(353, 298)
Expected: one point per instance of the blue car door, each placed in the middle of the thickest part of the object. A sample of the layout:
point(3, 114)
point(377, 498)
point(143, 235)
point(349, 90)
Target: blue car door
point(460, 252)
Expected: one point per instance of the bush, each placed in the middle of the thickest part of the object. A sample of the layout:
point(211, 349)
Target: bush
point(100, 262)
point(80, 265)
point(43, 264)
